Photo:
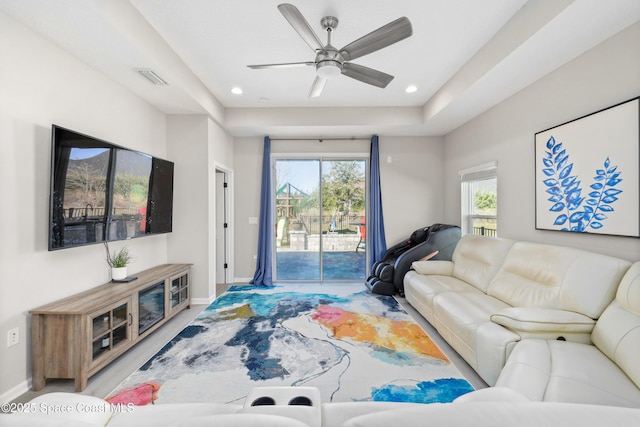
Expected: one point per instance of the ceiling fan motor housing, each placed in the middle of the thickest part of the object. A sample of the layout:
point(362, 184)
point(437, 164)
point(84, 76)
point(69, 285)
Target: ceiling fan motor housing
point(329, 63)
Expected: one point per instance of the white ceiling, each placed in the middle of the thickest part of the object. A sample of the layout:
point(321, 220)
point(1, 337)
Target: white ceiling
point(464, 56)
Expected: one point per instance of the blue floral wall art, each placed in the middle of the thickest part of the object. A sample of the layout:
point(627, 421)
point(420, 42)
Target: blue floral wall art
point(587, 173)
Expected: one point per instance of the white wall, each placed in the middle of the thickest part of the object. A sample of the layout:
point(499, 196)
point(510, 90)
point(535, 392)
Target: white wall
point(411, 184)
point(247, 154)
point(196, 145)
point(187, 136)
point(41, 85)
point(604, 76)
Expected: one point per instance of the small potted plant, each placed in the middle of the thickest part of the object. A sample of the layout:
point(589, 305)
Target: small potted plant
point(118, 262)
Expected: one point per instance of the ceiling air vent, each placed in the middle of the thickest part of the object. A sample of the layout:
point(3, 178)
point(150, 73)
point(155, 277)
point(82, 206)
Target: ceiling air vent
point(151, 75)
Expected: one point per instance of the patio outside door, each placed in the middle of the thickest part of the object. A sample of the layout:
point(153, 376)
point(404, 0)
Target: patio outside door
point(320, 231)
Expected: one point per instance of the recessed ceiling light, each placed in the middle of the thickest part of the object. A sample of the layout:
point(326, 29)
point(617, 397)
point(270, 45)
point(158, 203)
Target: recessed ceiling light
point(236, 91)
point(411, 89)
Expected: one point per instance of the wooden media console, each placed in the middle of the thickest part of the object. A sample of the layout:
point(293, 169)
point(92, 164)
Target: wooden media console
point(75, 337)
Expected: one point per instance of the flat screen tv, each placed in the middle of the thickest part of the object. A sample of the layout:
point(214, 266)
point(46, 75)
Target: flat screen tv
point(102, 192)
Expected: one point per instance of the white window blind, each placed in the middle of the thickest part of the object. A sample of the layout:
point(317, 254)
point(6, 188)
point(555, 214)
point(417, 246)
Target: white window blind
point(477, 182)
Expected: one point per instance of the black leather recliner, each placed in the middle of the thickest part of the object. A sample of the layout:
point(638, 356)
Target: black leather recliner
point(387, 275)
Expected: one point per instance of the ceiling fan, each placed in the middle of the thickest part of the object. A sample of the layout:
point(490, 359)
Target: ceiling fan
point(330, 61)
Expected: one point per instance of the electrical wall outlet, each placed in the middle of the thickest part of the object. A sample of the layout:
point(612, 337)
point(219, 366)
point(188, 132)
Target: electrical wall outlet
point(13, 337)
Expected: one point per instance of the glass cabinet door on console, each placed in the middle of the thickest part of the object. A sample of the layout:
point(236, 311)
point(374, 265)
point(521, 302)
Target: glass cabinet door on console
point(179, 291)
point(110, 328)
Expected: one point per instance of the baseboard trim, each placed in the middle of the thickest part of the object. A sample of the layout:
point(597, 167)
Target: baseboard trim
point(242, 280)
point(17, 391)
point(202, 301)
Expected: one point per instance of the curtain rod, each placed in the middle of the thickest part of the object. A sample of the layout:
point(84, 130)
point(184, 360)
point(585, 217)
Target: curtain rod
point(353, 138)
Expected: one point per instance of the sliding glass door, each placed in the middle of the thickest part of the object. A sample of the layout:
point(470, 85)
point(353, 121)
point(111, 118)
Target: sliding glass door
point(297, 204)
point(320, 230)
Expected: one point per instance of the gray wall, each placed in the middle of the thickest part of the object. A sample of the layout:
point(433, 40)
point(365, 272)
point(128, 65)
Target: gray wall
point(603, 76)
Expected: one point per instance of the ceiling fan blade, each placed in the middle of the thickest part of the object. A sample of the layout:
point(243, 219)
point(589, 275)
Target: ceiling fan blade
point(366, 74)
point(283, 65)
point(317, 87)
point(384, 36)
point(302, 27)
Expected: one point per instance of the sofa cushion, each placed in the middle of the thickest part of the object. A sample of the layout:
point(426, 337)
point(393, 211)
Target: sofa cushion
point(72, 407)
point(433, 267)
point(501, 414)
point(562, 371)
point(556, 277)
point(420, 290)
point(242, 420)
point(478, 258)
point(463, 320)
point(26, 419)
point(628, 294)
point(336, 413)
point(617, 332)
point(462, 312)
point(492, 394)
point(169, 414)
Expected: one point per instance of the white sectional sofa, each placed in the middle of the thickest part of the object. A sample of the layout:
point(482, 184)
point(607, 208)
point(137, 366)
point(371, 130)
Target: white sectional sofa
point(495, 407)
point(605, 372)
point(496, 292)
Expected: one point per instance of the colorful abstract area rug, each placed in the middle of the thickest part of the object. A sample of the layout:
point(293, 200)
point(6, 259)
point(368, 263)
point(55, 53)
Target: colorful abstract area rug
point(350, 344)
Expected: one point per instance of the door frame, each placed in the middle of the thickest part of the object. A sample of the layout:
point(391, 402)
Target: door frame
point(224, 204)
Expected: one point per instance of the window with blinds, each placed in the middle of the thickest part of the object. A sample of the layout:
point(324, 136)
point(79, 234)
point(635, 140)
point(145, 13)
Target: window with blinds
point(479, 204)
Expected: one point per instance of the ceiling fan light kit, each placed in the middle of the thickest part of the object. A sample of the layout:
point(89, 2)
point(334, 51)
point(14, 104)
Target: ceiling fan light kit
point(329, 68)
point(331, 62)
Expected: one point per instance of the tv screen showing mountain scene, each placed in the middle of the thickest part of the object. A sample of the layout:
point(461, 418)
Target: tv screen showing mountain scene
point(102, 192)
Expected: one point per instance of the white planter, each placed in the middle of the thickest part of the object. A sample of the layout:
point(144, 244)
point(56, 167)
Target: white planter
point(118, 273)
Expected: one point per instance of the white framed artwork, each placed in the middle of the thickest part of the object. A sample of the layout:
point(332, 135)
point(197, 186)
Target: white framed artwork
point(587, 173)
